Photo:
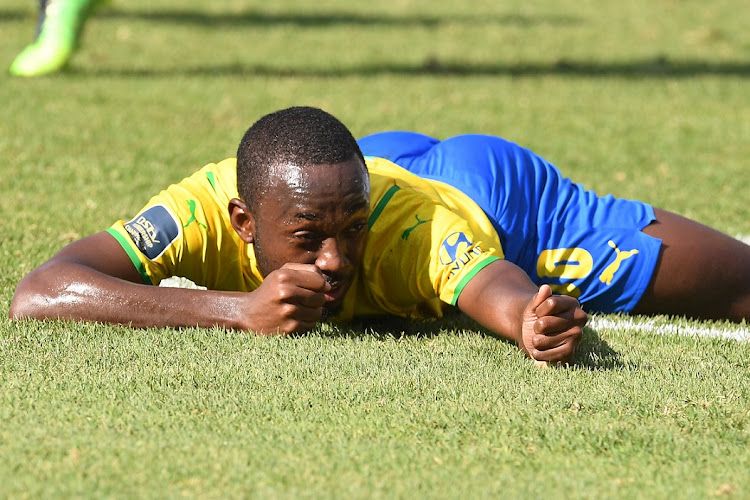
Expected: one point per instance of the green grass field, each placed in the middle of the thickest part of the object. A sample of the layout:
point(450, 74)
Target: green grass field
point(642, 99)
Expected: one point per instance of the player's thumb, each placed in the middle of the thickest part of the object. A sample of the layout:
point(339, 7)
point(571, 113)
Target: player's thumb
point(542, 294)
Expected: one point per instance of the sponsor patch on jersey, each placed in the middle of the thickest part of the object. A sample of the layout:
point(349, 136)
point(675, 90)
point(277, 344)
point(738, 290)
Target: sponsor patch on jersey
point(154, 230)
point(457, 250)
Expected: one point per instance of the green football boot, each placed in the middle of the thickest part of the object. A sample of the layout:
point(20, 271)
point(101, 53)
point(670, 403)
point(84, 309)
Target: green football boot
point(58, 30)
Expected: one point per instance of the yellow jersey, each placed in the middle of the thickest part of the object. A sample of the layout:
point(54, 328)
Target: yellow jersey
point(426, 240)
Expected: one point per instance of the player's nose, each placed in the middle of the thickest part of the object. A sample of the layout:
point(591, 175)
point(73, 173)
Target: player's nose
point(331, 257)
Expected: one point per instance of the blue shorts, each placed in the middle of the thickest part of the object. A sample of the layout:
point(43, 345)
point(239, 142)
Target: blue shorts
point(581, 244)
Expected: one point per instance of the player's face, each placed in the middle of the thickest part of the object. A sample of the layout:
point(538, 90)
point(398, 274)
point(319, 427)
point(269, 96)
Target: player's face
point(315, 216)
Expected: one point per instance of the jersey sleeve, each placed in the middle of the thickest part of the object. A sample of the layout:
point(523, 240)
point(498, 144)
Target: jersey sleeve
point(167, 237)
point(419, 250)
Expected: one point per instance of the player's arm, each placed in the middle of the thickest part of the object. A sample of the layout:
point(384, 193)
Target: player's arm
point(94, 280)
point(502, 298)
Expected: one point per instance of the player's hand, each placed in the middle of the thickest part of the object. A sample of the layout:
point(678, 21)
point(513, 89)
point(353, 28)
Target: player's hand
point(552, 326)
point(290, 299)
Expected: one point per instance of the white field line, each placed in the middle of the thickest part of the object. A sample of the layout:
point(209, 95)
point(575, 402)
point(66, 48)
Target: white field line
point(658, 326)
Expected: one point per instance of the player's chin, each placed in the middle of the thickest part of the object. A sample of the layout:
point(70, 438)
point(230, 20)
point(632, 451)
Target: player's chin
point(329, 310)
point(334, 302)
point(333, 306)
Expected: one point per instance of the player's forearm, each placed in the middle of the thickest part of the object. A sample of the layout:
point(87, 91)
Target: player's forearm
point(70, 291)
point(496, 298)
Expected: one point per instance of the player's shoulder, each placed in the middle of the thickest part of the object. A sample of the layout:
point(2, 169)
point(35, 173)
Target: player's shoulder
point(380, 167)
point(396, 194)
point(220, 175)
point(213, 180)
point(387, 177)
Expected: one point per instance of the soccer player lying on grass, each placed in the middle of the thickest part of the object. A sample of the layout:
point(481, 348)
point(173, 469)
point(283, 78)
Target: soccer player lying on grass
point(304, 227)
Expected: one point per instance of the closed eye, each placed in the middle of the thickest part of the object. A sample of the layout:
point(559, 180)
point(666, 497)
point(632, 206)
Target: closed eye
point(307, 236)
point(357, 227)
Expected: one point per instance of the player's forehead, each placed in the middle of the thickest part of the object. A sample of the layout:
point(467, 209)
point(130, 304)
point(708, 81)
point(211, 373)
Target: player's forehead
point(318, 191)
point(293, 173)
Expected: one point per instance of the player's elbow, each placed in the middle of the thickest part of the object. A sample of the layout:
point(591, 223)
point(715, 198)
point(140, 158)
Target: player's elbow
point(21, 305)
point(19, 308)
point(33, 299)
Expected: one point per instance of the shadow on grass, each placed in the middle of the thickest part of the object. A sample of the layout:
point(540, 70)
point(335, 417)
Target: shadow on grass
point(594, 353)
point(391, 327)
point(8, 15)
point(658, 66)
point(325, 19)
point(304, 18)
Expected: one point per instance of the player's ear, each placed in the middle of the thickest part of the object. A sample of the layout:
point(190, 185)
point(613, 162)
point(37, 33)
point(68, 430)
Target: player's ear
point(243, 221)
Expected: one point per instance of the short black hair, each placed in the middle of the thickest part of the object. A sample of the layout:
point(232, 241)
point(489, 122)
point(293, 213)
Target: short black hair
point(301, 136)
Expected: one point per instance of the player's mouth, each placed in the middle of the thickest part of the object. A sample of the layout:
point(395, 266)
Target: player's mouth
point(335, 295)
